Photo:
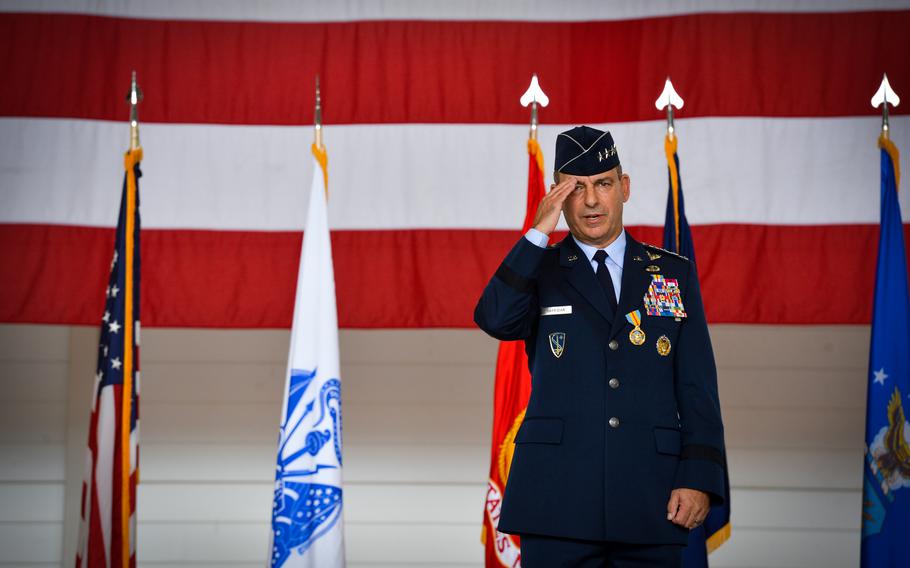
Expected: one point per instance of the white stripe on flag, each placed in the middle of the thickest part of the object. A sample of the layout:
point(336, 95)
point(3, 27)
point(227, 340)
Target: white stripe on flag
point(805, 171)
point(512, 10)
point(104, 470)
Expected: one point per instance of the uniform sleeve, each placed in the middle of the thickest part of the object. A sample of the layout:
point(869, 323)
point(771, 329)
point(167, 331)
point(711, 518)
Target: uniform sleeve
point(703, 460)
point(507, 310)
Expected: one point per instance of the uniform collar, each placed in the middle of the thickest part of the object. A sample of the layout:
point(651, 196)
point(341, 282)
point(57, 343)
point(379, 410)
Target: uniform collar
point(615, 250)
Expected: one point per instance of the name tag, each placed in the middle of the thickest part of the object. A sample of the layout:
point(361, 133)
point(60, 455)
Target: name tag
point(555, 310)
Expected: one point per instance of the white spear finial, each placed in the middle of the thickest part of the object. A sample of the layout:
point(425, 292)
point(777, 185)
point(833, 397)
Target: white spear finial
point(668, 96)
point(668, 99)
point(884, 95)
point(534, 96)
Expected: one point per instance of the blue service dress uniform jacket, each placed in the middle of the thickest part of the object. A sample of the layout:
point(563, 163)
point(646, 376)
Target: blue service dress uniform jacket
point(611, 427)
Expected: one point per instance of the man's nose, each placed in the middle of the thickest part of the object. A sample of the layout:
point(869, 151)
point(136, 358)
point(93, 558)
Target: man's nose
point(590, 195)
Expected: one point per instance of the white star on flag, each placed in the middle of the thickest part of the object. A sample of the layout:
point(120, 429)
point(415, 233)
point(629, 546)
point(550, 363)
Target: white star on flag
point(115, 363)
point(106, 317)
point(880, 376)
point(114, 291)
point(114, 327)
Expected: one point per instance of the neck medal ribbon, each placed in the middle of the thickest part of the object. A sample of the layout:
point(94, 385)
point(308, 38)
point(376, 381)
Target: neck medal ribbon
point(637, 335)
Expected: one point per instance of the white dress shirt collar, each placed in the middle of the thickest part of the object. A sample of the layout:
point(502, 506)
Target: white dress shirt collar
point(616, 251)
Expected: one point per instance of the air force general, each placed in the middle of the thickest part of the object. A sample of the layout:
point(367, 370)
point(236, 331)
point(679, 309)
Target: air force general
point(621, 451)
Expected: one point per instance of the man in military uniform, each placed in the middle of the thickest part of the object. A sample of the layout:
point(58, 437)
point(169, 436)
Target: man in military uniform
point(621, 451)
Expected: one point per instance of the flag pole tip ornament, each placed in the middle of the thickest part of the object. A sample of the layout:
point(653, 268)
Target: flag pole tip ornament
point(317, 116)
point(134, 97)
point(884, 95)
point(318, 149)
point(668, 99)
point(534, 96)
point(585, 151)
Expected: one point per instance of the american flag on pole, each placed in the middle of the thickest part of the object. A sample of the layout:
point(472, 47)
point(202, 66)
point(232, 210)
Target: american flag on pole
point(107, 536)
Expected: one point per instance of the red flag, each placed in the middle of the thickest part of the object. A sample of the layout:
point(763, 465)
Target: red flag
point(513, 386)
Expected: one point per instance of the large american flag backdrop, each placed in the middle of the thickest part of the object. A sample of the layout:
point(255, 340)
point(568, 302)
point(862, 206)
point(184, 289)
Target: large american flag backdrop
point(429, 162)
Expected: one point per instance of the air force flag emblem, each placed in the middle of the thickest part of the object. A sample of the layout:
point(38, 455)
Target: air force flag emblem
point(557, 343)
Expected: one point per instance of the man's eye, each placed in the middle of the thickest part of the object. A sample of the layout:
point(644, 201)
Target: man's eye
point(579, 187)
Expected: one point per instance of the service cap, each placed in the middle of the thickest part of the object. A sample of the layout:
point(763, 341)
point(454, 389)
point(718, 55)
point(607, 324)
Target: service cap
point(585, 151)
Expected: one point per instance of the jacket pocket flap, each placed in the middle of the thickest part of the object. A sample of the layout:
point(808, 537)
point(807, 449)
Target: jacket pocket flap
point(540, 431)
point(662, 322)
point(668, 441)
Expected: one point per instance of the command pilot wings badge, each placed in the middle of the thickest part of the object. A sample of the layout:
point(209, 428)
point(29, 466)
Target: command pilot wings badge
point(557, 343)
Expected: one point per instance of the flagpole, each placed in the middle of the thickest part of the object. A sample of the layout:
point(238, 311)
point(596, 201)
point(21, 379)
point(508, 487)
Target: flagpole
point(883, 97)
point(318, 149)
point(134, 97)
point(317, 121)
point(534, 96)
point(882, 535)
point(669, 98)
point(126, 405)
point(512, 381)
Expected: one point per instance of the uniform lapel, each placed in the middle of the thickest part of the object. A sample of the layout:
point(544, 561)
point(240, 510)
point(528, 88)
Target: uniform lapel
point(635, 282)
point(580, 275)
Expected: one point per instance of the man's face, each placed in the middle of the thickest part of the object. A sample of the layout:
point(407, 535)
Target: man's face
point(593, 210)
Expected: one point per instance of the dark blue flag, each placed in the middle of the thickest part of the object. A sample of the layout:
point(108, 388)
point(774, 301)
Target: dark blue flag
point(678, 238)
point(886, 479)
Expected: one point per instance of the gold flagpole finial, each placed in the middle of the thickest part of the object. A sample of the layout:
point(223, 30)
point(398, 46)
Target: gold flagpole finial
point(134, 97)
point(884, 96)
point(669, 98)
point(318, 116)
point(534, 96)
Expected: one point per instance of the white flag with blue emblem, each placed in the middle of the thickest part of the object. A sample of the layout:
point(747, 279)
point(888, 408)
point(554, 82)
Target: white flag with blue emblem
point(307, 526)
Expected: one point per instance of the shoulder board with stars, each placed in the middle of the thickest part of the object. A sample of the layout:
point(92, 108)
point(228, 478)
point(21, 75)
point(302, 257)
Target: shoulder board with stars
point(653, 256)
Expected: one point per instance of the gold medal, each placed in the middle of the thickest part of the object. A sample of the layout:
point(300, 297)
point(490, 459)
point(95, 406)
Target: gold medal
point(637, 335)
point(663, 345)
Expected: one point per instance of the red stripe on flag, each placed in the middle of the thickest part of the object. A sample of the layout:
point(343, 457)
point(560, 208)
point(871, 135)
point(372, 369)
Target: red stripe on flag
point(726, 64)
point(410, 279)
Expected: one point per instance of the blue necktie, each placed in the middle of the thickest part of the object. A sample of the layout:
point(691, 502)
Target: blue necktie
point(606, 281)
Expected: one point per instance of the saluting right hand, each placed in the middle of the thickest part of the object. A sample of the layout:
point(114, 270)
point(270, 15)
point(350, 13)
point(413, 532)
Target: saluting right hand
point(551, 205)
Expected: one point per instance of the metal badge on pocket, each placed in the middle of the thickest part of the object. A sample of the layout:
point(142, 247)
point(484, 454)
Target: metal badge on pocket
point(557, 343)
point(663, 345)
